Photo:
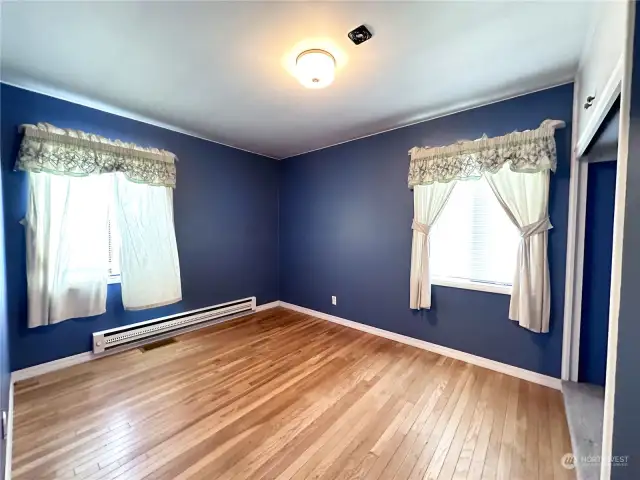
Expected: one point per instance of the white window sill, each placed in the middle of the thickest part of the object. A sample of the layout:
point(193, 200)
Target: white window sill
point(469, 285)
point(113, 279)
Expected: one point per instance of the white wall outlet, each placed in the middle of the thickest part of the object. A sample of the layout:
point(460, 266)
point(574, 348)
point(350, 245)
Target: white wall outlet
point(334, 300)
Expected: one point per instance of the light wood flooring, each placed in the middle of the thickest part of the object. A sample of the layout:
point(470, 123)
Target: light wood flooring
point(284, 395)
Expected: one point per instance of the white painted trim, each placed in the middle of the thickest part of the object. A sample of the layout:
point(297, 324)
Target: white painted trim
point(439, 349)
point(103, 107)
point(601, 108)
point(59, 364)
point(65, 362)
point(471, 285)
point(576, 315)
point(9, 441)
point(570, 269)
point(618, 244)
point(445, 113)
point(267, 306)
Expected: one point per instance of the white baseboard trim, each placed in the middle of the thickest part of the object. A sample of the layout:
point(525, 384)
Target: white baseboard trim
point(9, 441)
point(43, 368)
point(267, 306)
point(517, 372)
point(65, 362)
point(528, 375)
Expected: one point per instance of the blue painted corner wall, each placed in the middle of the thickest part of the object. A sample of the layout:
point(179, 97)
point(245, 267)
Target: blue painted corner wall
point(331, 222)
point(596, 280)
point(226, 217)
point(345, 230)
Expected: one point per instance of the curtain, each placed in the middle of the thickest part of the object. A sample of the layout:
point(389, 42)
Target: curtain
point(525, 199)
point(428, 201)
point(73, 177)
point(46, 148)
point(67, 247)
point(525, 152)
point(516, 166)
point(149, 267)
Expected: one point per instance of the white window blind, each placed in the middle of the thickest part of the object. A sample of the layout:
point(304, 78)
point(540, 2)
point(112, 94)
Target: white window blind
point(473, 239)
point(114, 252)
point(114, 240)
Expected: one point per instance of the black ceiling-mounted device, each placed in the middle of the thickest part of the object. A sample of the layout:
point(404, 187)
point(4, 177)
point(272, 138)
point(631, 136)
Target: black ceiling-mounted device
point(360, 34)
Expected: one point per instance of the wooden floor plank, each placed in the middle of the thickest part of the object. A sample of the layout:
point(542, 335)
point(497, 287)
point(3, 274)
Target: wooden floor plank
point(473, 470)
point(281, 394)
point(448, 450)
point(509, 432)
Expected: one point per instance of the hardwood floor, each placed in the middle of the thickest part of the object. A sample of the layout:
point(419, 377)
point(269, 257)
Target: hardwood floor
point(283, 395)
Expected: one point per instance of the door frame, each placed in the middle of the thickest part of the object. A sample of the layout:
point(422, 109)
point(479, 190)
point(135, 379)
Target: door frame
point(618, 241)
point(579, 166)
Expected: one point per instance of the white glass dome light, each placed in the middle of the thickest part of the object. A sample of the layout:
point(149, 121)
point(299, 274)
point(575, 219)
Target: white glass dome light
point(315, 68)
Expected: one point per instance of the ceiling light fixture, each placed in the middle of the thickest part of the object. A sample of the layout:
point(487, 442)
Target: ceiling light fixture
point(315, 68)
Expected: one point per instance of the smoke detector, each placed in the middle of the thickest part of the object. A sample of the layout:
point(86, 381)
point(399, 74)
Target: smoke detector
point(360, 34)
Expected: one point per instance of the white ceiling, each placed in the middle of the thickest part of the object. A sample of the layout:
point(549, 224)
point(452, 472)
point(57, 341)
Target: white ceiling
point(219, 69)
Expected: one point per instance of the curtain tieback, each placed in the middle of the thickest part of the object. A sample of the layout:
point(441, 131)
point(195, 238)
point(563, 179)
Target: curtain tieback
point(536, 228)
point(420, 227)
point(425, 285)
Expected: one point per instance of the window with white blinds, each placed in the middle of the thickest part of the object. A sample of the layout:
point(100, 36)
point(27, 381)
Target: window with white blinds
point(114, 252)
point(114, 246)
point(473, 240)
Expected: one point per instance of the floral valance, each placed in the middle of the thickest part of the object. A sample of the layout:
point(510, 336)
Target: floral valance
point(46, 148)
point(528, 151)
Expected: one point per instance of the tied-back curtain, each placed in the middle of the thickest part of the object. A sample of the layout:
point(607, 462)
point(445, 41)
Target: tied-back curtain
point(517, 168)
point(67, 248)
point(149, 267)
point(428, 201)
point(525, 199)
point(46, 148)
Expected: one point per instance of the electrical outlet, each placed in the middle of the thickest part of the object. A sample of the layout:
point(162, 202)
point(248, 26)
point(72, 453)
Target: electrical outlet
point(334, 300)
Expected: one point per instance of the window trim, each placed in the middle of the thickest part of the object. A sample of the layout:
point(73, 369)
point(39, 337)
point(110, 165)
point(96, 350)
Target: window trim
point(471, 285)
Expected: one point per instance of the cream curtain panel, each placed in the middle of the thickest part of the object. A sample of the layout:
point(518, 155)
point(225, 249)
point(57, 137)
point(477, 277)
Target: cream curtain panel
point(149, 267)
point(67, 247)
point(73, 176)
point(428, 203)
point(46, 148)
point(525, 199)
point(517, 168)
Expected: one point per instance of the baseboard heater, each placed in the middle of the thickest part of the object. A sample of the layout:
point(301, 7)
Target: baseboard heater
point(136, 333)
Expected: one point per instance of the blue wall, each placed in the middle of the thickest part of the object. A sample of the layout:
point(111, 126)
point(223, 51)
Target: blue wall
point(598, 244)
point(344, 227)
point(626, 428)
point(226, 216)
point(345, 230)
point(4, 334)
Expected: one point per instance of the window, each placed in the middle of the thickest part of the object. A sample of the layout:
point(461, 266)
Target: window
point(70, 223)
point(474, 244)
